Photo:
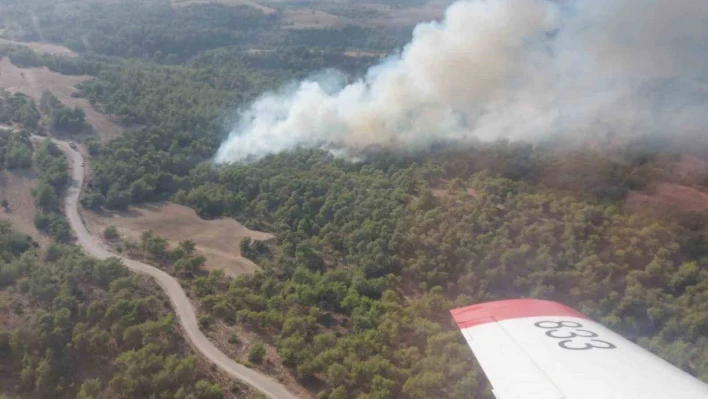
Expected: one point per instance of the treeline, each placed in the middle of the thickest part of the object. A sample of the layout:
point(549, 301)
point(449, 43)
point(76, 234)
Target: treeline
point(52, 168)
point(370, 259)
point(299, 61)
point(352, 37)
point(76, 327)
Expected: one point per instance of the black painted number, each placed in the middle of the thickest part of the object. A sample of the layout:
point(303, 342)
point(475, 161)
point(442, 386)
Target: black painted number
point(568, 331)
point(566, 344)
point(558, 334)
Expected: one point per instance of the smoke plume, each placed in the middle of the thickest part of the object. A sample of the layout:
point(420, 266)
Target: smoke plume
point(515, 69)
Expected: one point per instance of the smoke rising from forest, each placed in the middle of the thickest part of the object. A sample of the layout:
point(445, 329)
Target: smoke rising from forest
point(516, 69)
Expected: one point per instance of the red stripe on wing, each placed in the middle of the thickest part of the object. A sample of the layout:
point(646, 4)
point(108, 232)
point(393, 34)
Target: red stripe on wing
point(490, 312)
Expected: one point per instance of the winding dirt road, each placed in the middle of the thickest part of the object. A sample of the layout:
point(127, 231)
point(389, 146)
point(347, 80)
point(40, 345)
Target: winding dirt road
point(185, 313)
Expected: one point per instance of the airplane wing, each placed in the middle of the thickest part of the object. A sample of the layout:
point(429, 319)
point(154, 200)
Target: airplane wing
point(533, 349)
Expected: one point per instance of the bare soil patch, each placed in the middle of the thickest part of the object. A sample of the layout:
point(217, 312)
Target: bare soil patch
point(691, 169)
point(384, 16)
point(250, 3)
point(324, 13)
point(444, 193)
point(441, 190)
point(308, 18)
point(16, 187)
point(669, 196)
point(360, 54)
point(433, 10)
point(33, 81)
point(217, 240)
point(47, 48)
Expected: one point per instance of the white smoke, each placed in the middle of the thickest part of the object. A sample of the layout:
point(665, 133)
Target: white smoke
point(516, 69)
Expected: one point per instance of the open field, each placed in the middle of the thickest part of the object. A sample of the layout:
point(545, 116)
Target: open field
point(691, 169)
point(669, 196)
point(338, 13)
point(33, 81)
point(217, 240)
point(16, 187)
point(41, 47)
point(389, 16)
point(250, 3)
point(372, 15)
point(308, 18)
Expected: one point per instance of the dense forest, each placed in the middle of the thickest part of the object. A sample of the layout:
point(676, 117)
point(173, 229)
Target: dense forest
point(370, 255)
point(369, 260)
point(75, 327)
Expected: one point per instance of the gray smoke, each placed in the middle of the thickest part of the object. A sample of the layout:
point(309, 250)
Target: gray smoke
point(515, 69)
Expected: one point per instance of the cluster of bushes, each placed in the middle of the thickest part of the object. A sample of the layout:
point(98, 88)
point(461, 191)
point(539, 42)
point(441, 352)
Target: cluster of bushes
point(76, 327)
point(15, 149)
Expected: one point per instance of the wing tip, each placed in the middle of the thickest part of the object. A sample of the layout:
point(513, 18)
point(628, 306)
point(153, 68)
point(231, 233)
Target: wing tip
point(490, 312)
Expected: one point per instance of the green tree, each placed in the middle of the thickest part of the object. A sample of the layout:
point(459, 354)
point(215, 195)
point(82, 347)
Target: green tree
point(90, 389)
point(256, 353)
point(47, 198)
point(111, 233)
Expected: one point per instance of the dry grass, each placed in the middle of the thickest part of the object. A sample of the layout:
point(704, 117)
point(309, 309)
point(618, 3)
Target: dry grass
point(266, 10)
point(441, 190)
point(445, 193)
point(41, 47)
point(217, 240)
point(669, 196)
point(384, 16)
point(359, 54)
point(33, 81)
point(691, 169)
point(302, 18)
point(307, 18)
point(16, 187)
point(433, 10)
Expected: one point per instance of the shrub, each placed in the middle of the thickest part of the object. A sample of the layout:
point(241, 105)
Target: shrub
point(111, 233)
point(257, 353)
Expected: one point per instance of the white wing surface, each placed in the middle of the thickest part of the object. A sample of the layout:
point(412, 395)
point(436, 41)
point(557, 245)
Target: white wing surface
point(533, 349)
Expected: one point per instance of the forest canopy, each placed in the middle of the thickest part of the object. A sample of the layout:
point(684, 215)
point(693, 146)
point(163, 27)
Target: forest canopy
point(75, 327)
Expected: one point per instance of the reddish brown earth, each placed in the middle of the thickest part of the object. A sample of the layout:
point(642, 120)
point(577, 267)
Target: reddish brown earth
point(669, 196)
point(691, 169)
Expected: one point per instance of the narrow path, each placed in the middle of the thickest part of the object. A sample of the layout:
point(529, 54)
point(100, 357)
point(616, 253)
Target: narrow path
point(269, 387)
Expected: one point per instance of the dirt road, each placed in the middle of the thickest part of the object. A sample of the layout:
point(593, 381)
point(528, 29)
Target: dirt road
point(185, 313)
